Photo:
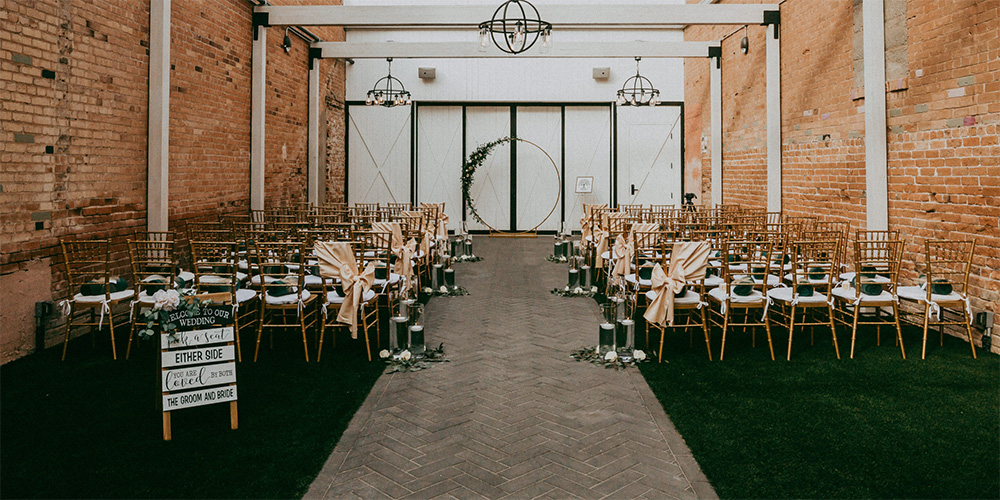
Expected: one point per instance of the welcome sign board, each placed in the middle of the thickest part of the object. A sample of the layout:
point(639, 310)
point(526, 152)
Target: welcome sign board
point(197, 365)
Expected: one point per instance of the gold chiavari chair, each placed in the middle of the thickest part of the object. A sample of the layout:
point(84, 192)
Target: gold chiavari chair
point(875, 280)
point(688, 304)
point(217, 274)
point(287, 303)
point(153, 269)
point(744, 294)
point(368, 311)
point(944, 291)
point(814, 265)
point(91, 289)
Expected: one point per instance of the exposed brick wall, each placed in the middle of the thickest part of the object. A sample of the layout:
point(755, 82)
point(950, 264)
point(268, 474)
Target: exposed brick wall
point(92, 111)
point(943, 173)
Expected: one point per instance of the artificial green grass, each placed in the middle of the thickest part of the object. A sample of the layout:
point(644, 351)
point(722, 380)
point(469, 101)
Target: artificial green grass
point(89, 427)
point(815, 427)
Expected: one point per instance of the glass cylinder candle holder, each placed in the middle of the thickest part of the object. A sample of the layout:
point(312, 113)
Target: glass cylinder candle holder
point(456, 246)
point(401, 332)
point(557, 248)
point(574, 277)
point(449, 277)
point(585, 276)
point(606, 337)
point(609, 311)
point(625, 337)
point(468, 245)
point(416, 330)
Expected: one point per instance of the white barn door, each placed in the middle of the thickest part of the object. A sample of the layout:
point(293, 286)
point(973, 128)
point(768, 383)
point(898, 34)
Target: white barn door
point(537, 181)
point(588, 154)
point(649, 155)
point(378, 162)
point(491, 187)
point(439, 159)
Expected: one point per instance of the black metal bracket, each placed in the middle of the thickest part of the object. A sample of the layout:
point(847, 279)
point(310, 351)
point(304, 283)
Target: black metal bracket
point(772, 17)
point(260, 20)
point(716, 52)
point(314, 53)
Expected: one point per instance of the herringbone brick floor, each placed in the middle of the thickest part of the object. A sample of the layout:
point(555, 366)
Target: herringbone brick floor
point(512, 415)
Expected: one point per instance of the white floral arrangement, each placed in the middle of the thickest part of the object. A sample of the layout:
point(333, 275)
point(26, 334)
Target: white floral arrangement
point(165, 302)
point(578, 291)
point(445, 291)
point(406, 361)
point(609, 359)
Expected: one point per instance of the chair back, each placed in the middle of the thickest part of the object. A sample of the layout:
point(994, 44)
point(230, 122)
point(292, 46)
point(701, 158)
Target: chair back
point(153, 265)
point(874, 258)
point(215, 266)
point(280, 264)
point(948, 264)
point(87, 261)
point(747, 258)
point(814, 262)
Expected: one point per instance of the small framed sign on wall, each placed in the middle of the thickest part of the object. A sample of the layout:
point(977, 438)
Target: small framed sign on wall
point(584, 184)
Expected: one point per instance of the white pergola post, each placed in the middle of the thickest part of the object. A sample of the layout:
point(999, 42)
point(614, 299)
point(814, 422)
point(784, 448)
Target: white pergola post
point(158, 158)
point(314, 139)
point(258, 82)
point(715, 132)
point(876, 184)
point(773, 103)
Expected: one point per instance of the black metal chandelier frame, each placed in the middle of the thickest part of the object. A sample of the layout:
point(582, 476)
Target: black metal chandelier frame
point(390, 93)
point(515, 27)
point(638, 90)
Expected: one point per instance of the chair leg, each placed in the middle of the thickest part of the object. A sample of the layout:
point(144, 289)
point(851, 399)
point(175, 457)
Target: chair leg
point(236, 334)
point(833, 330)
point(968, 330)
point(663, 335)
point(302, 324)
point(705, 329)
point(131, 331)
point(791, 331)
point(923, 352)
point(319, 345)
point(364, 323)
point(770, 345)
point(899, 331)
point(69, 325)
point(111, 329)
point(725, 326)
point(260, 331)
point(854, 329)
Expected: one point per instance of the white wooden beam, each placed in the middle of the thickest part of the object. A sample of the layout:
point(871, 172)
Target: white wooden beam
point(158, 159)
point(464, 50)
point(258, 83)
point(313, 182)
point(715, 130)
point(876, 184)
point(773, 104)
point(561, 16)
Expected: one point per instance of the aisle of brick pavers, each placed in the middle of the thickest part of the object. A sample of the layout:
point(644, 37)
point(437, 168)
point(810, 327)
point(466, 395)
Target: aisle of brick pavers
point(512, 415)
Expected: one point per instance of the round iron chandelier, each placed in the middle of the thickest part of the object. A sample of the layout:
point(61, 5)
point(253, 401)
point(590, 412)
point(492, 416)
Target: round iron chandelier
point(638, 91)
point(515, 27)
point(388, 91)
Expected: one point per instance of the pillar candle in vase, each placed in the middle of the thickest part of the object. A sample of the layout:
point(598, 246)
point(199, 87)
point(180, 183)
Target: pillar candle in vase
point(468, 245)
point(574, 276)
point(438, 276)
point(606, 338)
point(417, 339)
point(449, 277)
point(401, 331)
point(557, 249)
point(585, 276)
point(625, 336)
point(456, 247)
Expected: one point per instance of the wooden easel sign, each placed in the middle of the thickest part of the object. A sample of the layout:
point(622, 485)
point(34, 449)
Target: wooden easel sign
point(197, 367)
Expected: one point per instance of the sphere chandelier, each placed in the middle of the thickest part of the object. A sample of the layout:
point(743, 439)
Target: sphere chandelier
point(638, 91)
point(515, 27)
point(388, 91)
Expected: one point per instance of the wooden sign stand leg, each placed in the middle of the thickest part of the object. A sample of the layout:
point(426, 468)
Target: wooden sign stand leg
point(166, 426)
point(233, 416)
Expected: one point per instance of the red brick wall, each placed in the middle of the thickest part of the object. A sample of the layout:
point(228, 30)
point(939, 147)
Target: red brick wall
point(92, 112)
point(944, 178)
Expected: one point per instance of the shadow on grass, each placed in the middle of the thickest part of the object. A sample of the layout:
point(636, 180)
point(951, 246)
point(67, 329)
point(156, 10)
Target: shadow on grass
point(875, 426)
point(89, 427)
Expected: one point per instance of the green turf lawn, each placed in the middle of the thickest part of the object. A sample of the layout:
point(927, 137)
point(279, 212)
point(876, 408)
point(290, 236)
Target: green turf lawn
point(815, 427)
point(89, 428)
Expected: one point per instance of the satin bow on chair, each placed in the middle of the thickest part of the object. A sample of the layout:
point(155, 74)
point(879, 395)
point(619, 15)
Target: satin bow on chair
point(688, 261)
point(336, 260)
point(442, 219)
point(403, 252)
point(623, 256)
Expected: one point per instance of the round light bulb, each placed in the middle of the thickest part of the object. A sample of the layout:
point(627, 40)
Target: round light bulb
point(633, 101)
point(369, 101)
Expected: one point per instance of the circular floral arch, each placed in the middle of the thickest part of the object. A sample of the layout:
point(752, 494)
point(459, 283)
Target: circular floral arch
point(476, 159)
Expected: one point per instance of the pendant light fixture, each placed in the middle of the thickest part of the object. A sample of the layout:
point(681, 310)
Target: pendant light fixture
point(745, 42)
point(638, 91)
point(388, 91)
point(515, 27)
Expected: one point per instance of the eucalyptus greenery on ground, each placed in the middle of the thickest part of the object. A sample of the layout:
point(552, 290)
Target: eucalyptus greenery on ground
point(408, 362)
point(446, 291)
point(610, 359)
point(473, 162)
point(553, 258)
point(467, 258)
point(166, 302)
point(575, 292)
